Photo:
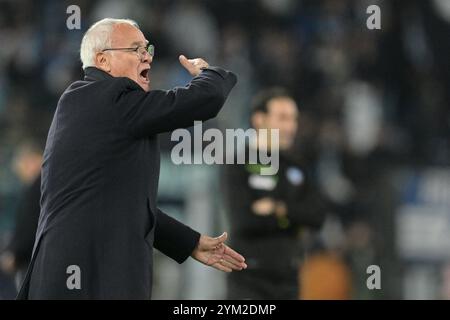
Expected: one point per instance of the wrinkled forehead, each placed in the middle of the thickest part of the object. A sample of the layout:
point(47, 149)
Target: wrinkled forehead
point(125, 35)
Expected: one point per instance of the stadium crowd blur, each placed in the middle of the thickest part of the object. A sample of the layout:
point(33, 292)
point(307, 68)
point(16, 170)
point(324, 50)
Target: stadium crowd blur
point(374, 107)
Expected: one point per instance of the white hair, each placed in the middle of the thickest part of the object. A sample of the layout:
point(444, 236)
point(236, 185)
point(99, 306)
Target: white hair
point(98, 38)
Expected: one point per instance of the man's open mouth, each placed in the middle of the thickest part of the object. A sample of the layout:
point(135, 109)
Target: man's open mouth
point(144, 75)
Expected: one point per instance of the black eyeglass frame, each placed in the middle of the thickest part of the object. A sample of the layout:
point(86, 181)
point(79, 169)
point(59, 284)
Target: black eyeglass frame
point(149, 48)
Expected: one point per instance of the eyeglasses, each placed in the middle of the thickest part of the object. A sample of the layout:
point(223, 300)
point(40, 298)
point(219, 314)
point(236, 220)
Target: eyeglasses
point(141, 50)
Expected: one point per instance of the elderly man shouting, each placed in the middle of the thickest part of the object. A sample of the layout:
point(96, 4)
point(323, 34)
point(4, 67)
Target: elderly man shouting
point(99, 221)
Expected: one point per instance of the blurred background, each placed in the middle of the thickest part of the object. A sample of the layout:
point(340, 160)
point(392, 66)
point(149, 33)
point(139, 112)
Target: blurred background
point(375, 122)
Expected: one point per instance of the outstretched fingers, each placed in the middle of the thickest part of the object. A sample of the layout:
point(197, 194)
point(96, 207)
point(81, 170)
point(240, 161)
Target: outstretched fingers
point(221, 267)
point(238, 265)
point(233, 254)
point(231, 263)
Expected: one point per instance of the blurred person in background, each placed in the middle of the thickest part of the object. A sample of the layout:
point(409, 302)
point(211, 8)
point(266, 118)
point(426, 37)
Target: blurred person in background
point(27, 165)
point(268, 213)
point(99, 220)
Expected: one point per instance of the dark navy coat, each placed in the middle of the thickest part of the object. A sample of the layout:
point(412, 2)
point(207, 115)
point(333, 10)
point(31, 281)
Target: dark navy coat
point(99, 186)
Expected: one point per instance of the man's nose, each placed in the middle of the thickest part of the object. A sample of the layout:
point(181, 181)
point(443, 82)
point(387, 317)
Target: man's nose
point(146, 57)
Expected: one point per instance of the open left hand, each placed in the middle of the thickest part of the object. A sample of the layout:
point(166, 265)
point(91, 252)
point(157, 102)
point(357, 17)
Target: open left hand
point(215, 253)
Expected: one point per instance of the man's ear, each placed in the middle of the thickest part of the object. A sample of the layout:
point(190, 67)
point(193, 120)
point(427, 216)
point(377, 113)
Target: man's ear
point(102, 61)
point(258, 120)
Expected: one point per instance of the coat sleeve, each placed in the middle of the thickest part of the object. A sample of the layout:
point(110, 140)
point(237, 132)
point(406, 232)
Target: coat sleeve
point(147, 113)
point(173, 238)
